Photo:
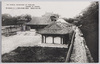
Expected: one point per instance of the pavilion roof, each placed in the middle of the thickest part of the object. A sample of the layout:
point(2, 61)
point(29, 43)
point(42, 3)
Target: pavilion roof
point(57, 28)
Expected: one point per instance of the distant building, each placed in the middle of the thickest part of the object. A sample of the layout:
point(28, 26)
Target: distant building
point(38, 22)
point(41, 22)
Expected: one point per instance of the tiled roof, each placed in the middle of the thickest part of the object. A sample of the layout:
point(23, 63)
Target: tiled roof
point(57, 28)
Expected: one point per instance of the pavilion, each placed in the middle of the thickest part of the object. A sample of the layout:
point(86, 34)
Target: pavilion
point(57, 33)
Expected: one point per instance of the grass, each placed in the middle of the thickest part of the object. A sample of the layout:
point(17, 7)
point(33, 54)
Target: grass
point(36, 54)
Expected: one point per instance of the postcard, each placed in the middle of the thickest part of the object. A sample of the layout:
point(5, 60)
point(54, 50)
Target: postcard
point(49, 31)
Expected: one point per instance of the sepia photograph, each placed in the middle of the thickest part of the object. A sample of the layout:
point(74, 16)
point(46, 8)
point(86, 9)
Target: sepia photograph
point(50, 32)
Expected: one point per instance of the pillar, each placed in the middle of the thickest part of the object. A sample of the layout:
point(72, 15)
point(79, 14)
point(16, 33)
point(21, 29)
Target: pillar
point(61, 39)
point(53, 39)
point(45, 39)
point(42, 39)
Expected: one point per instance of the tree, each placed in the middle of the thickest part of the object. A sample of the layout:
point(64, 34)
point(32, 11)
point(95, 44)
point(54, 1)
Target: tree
point(89, 21)
point(6, 19)
point(24, 19)
point(70, 20)
point(28, 17)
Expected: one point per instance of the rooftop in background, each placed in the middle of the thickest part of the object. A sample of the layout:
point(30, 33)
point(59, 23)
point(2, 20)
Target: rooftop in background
point(44, 20)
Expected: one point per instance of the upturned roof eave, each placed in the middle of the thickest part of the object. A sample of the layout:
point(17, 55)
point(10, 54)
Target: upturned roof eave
point(36, 24)
point(54, 33)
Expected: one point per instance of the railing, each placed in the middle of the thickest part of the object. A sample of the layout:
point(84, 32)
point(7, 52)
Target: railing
point(10, 31)
point(70, 48)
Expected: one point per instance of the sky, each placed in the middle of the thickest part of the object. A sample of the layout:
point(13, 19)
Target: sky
point(67, 9)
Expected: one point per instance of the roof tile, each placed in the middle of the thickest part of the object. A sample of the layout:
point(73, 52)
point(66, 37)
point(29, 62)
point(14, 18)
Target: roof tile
point(57, 28)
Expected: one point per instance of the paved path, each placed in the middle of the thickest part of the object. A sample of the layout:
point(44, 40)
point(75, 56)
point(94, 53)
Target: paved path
point(80, 50)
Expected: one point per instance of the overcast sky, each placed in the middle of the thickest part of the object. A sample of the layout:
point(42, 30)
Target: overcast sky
point(68, 9)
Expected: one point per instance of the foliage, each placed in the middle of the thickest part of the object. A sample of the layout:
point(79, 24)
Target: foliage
point(72, 20)
point(25, 18)
point(36, 54)
point(28, 17)
point(7, 19)
point(89, 21)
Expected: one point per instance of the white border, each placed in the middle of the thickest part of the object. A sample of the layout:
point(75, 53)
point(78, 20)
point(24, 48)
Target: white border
point(44, 62)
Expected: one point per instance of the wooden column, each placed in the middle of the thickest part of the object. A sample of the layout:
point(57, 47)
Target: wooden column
point(61, 39)
point(53, 40)
point(42, 39)
point(45, 39)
